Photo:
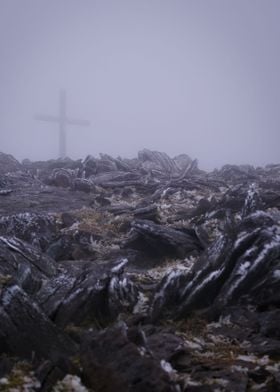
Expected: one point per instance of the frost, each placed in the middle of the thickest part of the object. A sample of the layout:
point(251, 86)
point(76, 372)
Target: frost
point(259, 387)
point(219, 381)
point(70, 384)
point(213, 275)
point(243, 268)
point(189, 382)
point(9, 294)
point(193, 345)
point(173, 274)
point(4, 381)
point(141, 305)
point(240, 369)
point(242, 236)
point(254, 359)
point(271, 248)
point(166, 366)
point(20, 380)
point(118, 267)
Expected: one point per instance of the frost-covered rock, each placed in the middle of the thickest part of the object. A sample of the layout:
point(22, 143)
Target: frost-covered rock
point(25, 264)
point(237, 267)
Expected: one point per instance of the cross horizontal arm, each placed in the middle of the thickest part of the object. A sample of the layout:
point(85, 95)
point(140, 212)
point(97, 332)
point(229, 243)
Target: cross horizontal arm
point(83, 123)
point(42, 117)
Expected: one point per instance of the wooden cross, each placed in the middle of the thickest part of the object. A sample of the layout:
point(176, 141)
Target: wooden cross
point(63, 121)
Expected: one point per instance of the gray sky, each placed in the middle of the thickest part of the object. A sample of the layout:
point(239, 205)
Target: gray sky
point(182, 76)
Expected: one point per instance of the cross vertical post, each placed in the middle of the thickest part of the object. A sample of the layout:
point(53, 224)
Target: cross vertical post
point(62, 123)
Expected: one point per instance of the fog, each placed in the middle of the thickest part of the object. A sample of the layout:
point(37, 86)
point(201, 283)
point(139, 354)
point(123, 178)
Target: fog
point(200, 77)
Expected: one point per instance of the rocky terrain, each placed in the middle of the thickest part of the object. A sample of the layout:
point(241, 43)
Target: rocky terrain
point(145, 275)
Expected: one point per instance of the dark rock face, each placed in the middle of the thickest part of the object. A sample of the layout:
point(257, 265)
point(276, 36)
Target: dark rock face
point(143, 274)
point(119, 358)
point(26, 329)
point(164, 240)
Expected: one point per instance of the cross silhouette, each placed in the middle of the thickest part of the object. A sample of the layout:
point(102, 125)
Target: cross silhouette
point(63, 121)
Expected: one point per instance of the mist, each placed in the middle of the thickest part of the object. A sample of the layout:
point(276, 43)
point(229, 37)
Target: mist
point(198, 77)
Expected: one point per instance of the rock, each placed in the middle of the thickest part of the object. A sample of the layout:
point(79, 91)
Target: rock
point(82, 184)
point(157, 239)
point(105, 165)
point(25, 331)
point(252, 202)
point(62, 177)
point(139, 274)
point(236, 173)
point(112, 361)
point(231, 270)
point(147, 213)
point(157, 161)
point(24, 264)
point(37, 229)
point(5, 192)
point(269, 323)
point(8, 164)
point(116, 179)
point(85, 292)
point(182, 161)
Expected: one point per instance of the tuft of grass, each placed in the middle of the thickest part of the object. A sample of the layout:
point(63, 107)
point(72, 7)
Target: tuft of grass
point(97, 222)
point(21, 379)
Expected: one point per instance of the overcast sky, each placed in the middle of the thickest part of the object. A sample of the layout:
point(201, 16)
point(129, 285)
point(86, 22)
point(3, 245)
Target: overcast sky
point(200, 77)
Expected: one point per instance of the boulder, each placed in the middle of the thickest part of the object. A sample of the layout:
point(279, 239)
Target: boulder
point(118, 359)
point(8, 164)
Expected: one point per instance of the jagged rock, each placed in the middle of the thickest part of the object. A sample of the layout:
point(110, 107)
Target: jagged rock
point(116, 179)
point(147, 213)
point(82, 184)
point(235, 266)
point(238, 173)
point(151, 240)
point(252, 202)
point(26, 331)
point(157, 161)
point(8, 164)
point(269, 323)
point(37, 229)
point(182, 161)
point(44, 168)
point(89, 166)
point(159, 240)
point(62, 177)
point(74, 244)
point(105, 165)
point(113, 359)
point(67, 219)
point(85, 291)
point(24, 264)
point(48, 374)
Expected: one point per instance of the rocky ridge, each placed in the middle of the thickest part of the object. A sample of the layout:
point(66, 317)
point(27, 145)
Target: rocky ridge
point(143, 274)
